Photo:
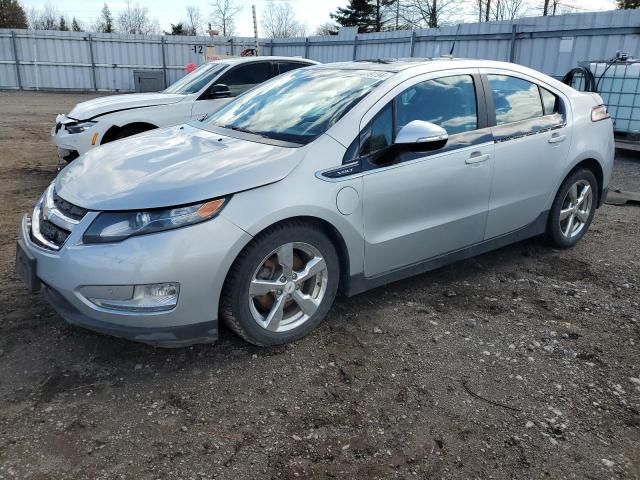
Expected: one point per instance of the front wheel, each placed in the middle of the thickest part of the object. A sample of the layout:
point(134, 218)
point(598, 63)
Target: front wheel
point(282, 285)
point(573, 209)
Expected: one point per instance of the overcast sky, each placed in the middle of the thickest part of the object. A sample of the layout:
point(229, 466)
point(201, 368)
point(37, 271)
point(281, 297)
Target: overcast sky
point(310, 12)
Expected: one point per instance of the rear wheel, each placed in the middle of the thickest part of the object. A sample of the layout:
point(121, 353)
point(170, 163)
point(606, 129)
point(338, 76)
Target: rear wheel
point(282, 285)
point(573, 208)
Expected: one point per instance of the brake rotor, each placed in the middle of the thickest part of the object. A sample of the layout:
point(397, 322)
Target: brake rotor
point(269, 271)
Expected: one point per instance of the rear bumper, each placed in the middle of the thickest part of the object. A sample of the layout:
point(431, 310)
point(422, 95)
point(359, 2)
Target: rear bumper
point(167, 337)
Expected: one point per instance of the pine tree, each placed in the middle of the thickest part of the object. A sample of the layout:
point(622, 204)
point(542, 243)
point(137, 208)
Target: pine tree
point(628, 4)
point(106, 20)
point(63, 24)
point(75, 25)
point(367, 15)
point(12, 15)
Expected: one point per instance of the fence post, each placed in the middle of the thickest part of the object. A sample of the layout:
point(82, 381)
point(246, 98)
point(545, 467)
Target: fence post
point(164, 61)
point(355, 47)
point(15, 59)
point(93, 63)
point(512, 49)
point(231, 45)
point(306, 47)
point(412, 45)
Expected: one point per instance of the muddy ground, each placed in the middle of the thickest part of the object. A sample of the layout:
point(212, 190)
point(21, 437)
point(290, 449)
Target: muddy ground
point(522, 363)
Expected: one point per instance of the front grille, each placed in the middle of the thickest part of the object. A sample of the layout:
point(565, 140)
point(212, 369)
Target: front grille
point(68, 209)
point(53, 233)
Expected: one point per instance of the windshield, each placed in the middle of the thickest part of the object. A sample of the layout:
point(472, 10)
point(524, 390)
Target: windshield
point(196, 80)
point(298, 106)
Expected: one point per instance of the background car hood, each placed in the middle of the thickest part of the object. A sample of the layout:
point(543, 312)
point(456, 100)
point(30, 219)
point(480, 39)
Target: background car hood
point(100, 106)
point(171, 166)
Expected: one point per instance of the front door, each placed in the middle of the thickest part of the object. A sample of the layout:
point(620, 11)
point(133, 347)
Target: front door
point(420, 205)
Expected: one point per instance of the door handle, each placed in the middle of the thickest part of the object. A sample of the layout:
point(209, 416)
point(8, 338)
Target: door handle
point(557, 138)
point(477, 157)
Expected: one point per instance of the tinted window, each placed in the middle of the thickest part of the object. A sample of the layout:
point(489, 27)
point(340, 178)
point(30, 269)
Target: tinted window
point(449, 102)
point(287, 67)
point(514, 99)
point(379, 134)
point(244, 77)
point(549, 101)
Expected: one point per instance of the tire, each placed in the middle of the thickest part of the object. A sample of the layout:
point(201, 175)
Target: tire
point(277, 317)
point(560, 233)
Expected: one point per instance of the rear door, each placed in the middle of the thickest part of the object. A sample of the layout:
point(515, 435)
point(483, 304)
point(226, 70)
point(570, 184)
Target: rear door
point(419, 205)
point(239, 79)
point(532, 142)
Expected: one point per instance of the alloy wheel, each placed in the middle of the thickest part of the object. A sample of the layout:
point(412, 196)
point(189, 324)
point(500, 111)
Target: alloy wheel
point(288, 287)
point(576, 208)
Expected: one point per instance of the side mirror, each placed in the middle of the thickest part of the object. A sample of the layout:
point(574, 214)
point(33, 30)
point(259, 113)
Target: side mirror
point(421, 135)
point(219, 90)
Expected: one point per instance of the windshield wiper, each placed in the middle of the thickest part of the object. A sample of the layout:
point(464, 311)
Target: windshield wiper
point(245, 130)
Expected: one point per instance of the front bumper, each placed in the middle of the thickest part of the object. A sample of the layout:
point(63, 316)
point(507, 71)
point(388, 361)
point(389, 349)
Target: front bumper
point(71, 145)
point(198, 257)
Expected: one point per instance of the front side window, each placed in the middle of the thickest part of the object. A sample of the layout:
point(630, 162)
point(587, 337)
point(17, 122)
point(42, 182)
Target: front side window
point(514, 99)
point(197, 80)
point(242, 78)
point(298, 106)
point(449, 102)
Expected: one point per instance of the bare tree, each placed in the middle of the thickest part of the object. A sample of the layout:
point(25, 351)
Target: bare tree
point(430, 13)
point(193, 23)
point(509, 9)
point(279, 21)
point(134, 19)
point(44, 19)
point(327, 28)
point(223, 16)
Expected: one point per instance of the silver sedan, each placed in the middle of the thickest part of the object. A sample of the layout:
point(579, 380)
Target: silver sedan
point(338, 177)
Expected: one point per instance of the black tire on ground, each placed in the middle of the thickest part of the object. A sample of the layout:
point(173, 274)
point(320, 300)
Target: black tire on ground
point(554, 233)
point(234, 301)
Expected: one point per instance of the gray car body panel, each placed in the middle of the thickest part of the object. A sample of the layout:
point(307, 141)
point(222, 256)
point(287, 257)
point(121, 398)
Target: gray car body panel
point(390, 221)
point(184, 163)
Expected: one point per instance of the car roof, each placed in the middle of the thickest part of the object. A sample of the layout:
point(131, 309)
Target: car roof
point(240, 60)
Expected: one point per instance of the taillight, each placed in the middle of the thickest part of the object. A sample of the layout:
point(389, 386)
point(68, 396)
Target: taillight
point(599, 113)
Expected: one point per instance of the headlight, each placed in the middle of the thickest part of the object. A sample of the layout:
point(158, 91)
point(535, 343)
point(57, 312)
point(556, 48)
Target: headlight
point(79, 127)
point(117, 226)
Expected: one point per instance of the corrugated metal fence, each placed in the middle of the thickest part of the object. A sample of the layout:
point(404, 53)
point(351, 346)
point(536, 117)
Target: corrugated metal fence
point(51, 60)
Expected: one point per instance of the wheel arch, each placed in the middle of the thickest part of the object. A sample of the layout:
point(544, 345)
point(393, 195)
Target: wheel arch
point(112, 133)
point(594, 166)
point(325, 226)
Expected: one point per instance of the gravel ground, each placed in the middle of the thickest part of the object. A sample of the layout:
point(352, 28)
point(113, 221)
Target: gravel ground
point(519, 364)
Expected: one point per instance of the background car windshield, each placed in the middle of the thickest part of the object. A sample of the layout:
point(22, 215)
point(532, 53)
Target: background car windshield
point(196, 80)
point(300, 105)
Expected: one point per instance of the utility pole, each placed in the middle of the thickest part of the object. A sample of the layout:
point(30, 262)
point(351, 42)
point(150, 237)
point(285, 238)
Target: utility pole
point(255, 28)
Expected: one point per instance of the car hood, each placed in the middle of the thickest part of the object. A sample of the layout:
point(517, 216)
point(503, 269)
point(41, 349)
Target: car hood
point(99, 106)
point(171, 166)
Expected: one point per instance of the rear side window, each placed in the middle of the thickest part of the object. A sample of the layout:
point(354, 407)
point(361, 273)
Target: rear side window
point(244, 77)
point(449, 102)
point(514, 99)
point(288, 66)
point(550, 102)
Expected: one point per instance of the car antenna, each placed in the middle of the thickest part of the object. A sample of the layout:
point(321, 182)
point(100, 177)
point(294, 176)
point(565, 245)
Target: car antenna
point(453, 45)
